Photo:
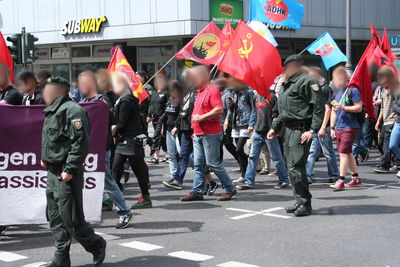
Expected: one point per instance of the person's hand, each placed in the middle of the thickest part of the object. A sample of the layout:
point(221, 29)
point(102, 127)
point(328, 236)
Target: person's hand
point(173, 131)
point(271, 134)
point(250, 129)
point(43, 164)
point(377, 126)
point(65, 177)
point(306, 137)
point(149, 119)
point(113, 128)
point(333, 134)
point(197, 118)
point(322, 132)
point(226, 125)
point(230, 101)
point(339, 107)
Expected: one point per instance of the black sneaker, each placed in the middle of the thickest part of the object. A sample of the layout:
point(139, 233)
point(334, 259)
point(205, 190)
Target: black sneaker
point(3, 229)
point(302, 211)
point(382, 170)
point(281, 185)
point(293, 208)
point(98, 256)
point(212, 188)
point(244, 187)
point(124, 221)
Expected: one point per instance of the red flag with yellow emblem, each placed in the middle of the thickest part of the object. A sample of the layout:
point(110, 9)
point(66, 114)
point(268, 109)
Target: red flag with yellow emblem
point(226, 36)
point(205, 47)
point(252, 59)
point(119, 63)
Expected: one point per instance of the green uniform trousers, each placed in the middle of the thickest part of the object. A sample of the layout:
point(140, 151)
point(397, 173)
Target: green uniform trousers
point(296, 155)
point(65, 214)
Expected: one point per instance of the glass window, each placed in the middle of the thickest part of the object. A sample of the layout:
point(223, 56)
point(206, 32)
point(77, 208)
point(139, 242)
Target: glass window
point(79, 67)
point(156, 51)
point(102, 50)
point(56, 69)
point(81, 51)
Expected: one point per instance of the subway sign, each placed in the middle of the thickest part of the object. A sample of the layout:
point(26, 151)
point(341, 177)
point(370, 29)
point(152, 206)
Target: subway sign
point(83, 26)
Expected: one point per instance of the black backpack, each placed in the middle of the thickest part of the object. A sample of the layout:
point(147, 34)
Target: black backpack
point(360, 115)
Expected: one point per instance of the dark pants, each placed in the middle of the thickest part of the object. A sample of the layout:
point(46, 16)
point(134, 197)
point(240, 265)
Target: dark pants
point(387, 155)
point(296, 155)
point(159, 140)
point(242, 156)
point(228, 143)
point(369, 132)
point(139, 168)
point(65, 214)
point(186, 153)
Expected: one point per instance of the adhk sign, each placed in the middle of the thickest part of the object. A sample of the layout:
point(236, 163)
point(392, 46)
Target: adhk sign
point(83, 26)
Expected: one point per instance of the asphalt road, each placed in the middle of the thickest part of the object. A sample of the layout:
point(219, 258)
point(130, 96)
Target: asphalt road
point(358, 227)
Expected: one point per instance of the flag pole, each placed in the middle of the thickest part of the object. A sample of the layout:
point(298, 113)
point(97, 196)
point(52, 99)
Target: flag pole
point(152, 77)
point(216, 65)
point(304, 50)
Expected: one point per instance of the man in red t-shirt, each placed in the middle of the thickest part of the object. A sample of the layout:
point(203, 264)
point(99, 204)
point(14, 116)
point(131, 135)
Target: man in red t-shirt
point(207, 137)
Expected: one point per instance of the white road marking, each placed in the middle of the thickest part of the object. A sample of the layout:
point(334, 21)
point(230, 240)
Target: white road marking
point(392, 186)
point(140, 246)
point(235, 264)
point(108, 237)
point(36, 264)
point(251, 213)
point(186, 255)
point(9, 256)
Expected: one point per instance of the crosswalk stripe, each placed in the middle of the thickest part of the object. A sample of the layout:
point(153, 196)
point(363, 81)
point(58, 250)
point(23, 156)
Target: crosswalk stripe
point(108, 237)
point(36, 264)
point(9, 256)
point(235, 264)
point(186, 255)
point(244, 216)
point(140, 246)
point(277, 215)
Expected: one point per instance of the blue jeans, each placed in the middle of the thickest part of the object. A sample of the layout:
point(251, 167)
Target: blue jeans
point(258, 143)
point(173, 150)
point(394, 143)
point(185, 156)
point(329, 153)
point(360, 148)
point(207, 155)
point(110, 185)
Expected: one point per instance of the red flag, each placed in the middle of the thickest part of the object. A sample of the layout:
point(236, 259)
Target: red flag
point(226, 36)
point(374, 35)
point(362, 81)
point(5, 56)
point(252, 59)
point(386, 46)
point(204, 47)
point(119, 63)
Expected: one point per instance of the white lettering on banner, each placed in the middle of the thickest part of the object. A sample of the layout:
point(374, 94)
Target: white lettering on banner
point(23, 196)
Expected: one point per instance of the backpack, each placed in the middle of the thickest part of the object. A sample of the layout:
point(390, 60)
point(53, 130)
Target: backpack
point(360, 115)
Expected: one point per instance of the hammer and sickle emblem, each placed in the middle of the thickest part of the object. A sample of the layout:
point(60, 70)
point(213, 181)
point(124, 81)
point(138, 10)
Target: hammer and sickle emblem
point(245, 50)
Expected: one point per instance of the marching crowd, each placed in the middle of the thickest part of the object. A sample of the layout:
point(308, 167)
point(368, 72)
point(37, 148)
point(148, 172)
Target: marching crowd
point(195, 117)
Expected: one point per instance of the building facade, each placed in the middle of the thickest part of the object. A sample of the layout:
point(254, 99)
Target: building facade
point(79, 34)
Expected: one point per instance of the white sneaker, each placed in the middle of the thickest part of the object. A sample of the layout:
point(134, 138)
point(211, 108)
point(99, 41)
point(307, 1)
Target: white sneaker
point(398, 174)
point(239, 181)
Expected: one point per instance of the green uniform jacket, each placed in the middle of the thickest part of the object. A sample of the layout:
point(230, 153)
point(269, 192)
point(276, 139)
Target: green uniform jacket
point(300, 100)
point(66, 134)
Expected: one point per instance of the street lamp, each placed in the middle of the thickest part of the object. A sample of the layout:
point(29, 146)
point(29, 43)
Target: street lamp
point(349, 67)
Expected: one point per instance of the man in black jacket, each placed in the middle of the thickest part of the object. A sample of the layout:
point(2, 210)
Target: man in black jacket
point(8, 94)
point(29, 86)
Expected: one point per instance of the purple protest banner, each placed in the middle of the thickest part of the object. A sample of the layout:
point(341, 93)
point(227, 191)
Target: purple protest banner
point(23, 180)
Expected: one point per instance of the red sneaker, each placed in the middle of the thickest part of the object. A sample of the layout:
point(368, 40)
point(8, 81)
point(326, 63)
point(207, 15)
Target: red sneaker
point(338, 186)
point(354, 182)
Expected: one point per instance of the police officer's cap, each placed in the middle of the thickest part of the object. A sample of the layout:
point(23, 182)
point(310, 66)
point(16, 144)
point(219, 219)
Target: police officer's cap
point(293, 58)
point(58, 81)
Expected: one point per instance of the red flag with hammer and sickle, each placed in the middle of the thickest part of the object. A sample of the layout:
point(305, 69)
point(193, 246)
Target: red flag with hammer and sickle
point(252, 59)
point(119, 63)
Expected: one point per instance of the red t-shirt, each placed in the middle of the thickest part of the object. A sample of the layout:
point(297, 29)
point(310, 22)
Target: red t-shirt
point(212, 99)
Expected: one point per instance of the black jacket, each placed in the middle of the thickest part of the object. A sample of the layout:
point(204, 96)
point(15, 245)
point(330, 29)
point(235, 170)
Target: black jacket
point(265, 111)
point(396, 109)
point(11, 96)
point(127, 116)
point(186, 110)
point(36, 99)
point(158, 102)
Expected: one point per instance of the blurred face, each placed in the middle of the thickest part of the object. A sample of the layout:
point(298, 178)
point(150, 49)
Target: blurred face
point(160, 83)
point(200, 77)
point(292, 68)
point(315, 75)
point(120, 85)
point(383, 79)
point(74, 84)
point(87, 85)
point(27, 86)
point(51, 92)
point(141, 79)
point(340, 80)
point(103, 81)
point(174, 93)
point(235, 83)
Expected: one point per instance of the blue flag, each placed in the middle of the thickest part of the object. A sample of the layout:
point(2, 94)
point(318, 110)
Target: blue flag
point(286, 13)
point(327, 48)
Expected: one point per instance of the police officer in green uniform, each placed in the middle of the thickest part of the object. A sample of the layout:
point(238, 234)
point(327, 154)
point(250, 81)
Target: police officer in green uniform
point(301, 111)
point(65, 144)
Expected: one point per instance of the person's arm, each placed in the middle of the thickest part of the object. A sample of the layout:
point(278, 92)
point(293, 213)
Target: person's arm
point(379, 120)
point(333, 124)
point(215, 112)
point(12, 97)
point(123, 117)
point(355, 108)
point(328, 110)
point(79, 134)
